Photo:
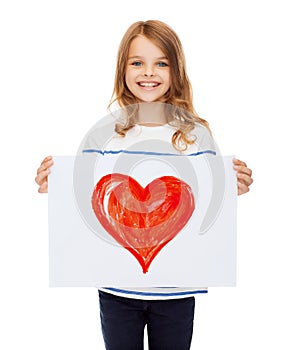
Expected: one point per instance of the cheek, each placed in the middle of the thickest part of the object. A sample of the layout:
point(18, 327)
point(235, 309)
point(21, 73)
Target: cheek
point(129, 76)
point(126, 76)
point(127, 80)
point(167, 76)
point(167, 79)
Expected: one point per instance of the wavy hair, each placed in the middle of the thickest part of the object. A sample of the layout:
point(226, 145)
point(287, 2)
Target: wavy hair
point(180, 92)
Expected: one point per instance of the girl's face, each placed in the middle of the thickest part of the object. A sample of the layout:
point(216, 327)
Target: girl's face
point(147, 72)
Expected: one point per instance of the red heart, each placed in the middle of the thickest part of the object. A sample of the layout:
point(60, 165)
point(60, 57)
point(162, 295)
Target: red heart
point(142, 220)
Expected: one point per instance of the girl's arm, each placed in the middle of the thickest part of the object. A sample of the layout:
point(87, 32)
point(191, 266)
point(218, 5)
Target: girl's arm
point(244, 176)
point(42, 174)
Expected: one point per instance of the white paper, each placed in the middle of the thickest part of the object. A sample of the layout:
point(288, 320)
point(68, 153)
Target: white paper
point(83, 254)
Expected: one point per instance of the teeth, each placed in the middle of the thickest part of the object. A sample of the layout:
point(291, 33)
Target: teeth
point(148, 84)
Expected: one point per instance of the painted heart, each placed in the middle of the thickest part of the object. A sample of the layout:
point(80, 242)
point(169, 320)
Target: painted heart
point(142, 220)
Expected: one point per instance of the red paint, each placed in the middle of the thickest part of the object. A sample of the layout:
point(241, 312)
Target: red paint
point(142, 220)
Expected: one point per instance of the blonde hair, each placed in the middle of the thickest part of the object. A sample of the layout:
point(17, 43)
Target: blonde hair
point(180, 91)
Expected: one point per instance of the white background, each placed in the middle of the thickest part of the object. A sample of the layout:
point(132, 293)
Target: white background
point(57, 71)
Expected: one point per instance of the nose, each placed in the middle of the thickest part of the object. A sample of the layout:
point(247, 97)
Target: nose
point(146, 74)
point(148, 71)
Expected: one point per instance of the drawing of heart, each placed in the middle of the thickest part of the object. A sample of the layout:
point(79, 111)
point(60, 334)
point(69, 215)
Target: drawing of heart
point(142, 220)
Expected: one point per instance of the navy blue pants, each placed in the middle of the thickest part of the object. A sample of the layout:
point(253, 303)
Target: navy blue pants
point(169, 322)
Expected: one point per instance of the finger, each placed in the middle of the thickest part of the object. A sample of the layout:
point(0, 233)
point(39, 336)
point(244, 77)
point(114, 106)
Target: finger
point(44, 187)
point(48, 158)
point(239, 162)
point(45, 165)
point(242, 188)
point(243, 169)
point(42, 176)
point(245, 179)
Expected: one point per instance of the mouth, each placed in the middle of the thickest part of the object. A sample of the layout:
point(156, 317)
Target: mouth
point(148, 84)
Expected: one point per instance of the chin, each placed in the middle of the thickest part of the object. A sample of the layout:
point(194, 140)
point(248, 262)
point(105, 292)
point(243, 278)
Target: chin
point(148, 100)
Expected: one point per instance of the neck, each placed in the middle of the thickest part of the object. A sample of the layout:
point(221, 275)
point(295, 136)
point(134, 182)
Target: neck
point(151, 114)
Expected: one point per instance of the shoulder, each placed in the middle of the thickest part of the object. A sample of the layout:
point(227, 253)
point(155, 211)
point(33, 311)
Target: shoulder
point(203, 138)
point(98, 135)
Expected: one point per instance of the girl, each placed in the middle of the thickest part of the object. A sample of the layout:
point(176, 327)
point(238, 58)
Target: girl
point(151, 75)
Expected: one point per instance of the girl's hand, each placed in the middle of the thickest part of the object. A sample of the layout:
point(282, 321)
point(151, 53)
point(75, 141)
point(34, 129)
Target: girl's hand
point(243, 176)
point(42, 174)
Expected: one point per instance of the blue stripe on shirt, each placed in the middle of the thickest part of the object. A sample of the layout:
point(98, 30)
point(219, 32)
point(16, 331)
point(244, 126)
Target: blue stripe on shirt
point(146, 153)
point(190, 292)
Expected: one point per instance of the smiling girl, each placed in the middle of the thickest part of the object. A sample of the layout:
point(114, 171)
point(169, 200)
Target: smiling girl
point(151, 73)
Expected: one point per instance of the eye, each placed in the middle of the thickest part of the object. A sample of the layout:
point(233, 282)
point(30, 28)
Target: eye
point(136, 63)
point(162, 64)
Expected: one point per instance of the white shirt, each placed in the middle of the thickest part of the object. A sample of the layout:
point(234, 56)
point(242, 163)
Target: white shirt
point(154, 140)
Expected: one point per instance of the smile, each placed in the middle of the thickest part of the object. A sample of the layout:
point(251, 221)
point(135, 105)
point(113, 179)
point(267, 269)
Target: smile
point(148, 84)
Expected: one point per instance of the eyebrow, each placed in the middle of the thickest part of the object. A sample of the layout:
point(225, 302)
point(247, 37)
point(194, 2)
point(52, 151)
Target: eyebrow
point(140, 57)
